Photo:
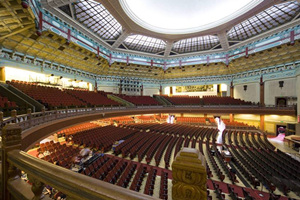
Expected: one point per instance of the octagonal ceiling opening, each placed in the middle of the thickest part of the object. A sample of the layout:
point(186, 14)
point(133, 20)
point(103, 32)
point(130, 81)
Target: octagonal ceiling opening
point(184, 17)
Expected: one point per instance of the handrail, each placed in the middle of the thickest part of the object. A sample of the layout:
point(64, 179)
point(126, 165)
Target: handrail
point(74, 185)
point(29, 120)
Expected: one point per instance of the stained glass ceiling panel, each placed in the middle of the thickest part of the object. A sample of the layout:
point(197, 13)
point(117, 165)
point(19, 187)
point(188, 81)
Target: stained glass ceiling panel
point(95, 17)
point(195, 44)
point(264, 21)
point(144, 43)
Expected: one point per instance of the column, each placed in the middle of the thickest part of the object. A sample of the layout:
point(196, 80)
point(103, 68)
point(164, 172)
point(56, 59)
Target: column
point(171, 91)
point(262, 92)
point(189, 175)
point(231, 90)
point(231, 117)
point(11, 140)
point(2, 74)
point(142, 90)
point(298, 105)
point(262, 122)
point(160, 90)
point(120, 88)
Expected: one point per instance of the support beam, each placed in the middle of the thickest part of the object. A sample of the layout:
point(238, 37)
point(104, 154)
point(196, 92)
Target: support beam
point(119, 41)
point(72, 11)
point(223, 40)
point(168, 49)
point(56, 3)
point(17, 31)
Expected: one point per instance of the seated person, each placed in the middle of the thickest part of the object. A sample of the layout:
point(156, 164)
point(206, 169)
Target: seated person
point(85, 152)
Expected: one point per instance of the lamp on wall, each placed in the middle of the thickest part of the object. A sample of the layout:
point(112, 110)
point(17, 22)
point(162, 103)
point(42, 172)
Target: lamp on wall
point(281, 84)
point(245, 87)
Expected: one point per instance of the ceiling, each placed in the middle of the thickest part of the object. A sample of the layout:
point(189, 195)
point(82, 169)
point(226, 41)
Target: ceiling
point(183, 17)
point(18, 33)
point(111, 23)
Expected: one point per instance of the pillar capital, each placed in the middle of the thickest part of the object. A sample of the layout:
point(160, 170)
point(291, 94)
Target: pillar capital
point(189, 175)
point(11, 135)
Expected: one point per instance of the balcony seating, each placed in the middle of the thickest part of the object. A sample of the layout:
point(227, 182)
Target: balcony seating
point(215, 100)
point(99, 138)
point(252, 158)
point(49, 96)
point(150, 182)
point(183, 100)
point(139, 100)
point(5, 103)
point(77, 128)
point(93, 98)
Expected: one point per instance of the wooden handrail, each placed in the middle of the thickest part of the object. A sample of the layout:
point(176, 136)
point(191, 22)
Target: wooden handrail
point(29, 120)
point(74, 185)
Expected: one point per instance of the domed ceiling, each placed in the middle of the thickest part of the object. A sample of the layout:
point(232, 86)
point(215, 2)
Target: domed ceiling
point(183, 17)
point(173, 27)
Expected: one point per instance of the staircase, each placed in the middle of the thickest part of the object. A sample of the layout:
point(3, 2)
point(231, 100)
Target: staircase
point(120, 100)
point(20, 98)
point(162, 100)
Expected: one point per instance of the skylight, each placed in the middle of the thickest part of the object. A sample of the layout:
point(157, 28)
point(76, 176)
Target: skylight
point(195, 44)
point(264, 21)
point(144, 43)
point(179, 17)
point(95, 17)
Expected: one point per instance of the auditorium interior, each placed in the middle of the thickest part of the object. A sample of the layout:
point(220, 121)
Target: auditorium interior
point(160, 99)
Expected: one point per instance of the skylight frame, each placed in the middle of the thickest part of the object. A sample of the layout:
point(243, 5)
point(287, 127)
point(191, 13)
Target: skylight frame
point(264, 21)
point(201, 43)
point(98, 19)
point(144, 43)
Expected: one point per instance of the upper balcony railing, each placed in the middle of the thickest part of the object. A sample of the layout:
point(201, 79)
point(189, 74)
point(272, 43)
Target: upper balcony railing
point(26, 121)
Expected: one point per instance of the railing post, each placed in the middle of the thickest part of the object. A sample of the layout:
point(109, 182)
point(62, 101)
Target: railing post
point(67, 111)
point(1, 119)
point(14, 116)
point(37, 188)
point(29, 116)
point(43, 113)
point(56, 113)
point(11, 140)
point(189, 176)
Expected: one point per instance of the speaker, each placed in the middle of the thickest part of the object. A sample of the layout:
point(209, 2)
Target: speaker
point(281, 84)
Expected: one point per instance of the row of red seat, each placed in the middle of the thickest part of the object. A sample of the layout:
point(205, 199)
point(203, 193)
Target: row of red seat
point(183, 100)
point(215, 100)
point(49, 96)
point(5, 103)
point(269, 169)
point(93, 98)
point(101, 137)
point(139, 100)
point(165, 137)
point(62, 154)
point(77, 128)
